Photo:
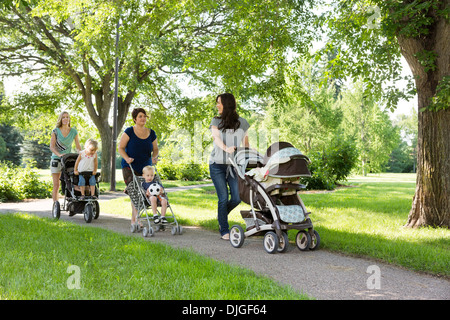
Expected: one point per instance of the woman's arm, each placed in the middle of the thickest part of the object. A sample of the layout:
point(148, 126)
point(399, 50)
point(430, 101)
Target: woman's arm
point(218, 140)
point(77, 143)
point(53, 145)
point(245, 141)
point(122, 145)
point(155, 151)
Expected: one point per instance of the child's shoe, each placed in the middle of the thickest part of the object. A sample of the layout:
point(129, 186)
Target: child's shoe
point(156, 219)
point(164, 220)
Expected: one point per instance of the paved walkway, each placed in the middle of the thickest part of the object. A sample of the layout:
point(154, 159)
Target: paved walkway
point(320, 274)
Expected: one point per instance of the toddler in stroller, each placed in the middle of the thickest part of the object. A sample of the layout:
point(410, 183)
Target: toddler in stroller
point(270, 185)
point(73, 200)
point(138, 197)
point(154, 192)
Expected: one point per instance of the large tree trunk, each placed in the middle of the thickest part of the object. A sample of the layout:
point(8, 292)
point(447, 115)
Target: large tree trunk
point(105, 129)
point(431, 202)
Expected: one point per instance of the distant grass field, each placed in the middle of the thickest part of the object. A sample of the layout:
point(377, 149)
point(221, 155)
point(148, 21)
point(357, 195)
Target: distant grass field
point(364, 218)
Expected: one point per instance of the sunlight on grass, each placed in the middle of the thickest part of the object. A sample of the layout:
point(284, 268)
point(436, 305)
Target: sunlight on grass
point(114, 266)
point(365, 218)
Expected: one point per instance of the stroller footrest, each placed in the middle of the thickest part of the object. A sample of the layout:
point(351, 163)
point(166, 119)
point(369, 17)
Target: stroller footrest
point(291, 213)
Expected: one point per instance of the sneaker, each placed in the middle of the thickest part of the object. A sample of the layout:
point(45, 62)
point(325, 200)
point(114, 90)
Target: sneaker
point(156, 219)
point(164, 220)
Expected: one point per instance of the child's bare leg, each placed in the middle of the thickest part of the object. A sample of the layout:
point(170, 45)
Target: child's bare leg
point(154, 203)
point(163, 207)
point(92, 190)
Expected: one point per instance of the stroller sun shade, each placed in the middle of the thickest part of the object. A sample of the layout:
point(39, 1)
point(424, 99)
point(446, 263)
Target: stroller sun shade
point(282, 160)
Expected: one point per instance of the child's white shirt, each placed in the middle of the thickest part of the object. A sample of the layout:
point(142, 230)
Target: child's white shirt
point(86, 162)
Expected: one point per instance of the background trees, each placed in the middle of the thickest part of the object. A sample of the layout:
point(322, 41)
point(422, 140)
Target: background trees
point(251, 48)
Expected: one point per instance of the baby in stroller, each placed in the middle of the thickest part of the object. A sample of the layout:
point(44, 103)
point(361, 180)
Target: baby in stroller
point(154, 192)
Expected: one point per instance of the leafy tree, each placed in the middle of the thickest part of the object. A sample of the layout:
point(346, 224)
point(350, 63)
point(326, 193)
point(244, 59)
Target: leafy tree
point(371, 128)
point(70, 43)
point(369, 37)
point(10, 147)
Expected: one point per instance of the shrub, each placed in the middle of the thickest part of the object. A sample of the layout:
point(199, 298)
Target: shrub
point(21, 183)
point(332, 165)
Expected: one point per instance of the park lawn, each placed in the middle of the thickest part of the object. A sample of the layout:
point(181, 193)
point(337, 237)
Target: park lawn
point(42, 258)
point(365, 218)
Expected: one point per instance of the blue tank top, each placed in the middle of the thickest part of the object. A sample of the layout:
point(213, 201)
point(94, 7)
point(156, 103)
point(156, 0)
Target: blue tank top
point(139, 149)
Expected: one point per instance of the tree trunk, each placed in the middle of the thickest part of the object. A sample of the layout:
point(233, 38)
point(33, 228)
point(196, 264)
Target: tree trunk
point(431, 202)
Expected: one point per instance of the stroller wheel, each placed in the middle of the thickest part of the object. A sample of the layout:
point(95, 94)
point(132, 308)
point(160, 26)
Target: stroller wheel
point(97, 210)
point(303, 240)
point(271, 242)
point(237, 236)
point(315, 241)
point(88, 212)
point(147, 232)
point(56, 210)
point(284, 242)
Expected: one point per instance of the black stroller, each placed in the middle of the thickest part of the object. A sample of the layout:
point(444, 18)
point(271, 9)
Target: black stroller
point(73, 203)
point(270, 185)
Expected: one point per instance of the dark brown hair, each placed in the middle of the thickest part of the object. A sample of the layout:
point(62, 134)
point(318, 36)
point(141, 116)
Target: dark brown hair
point(229, 116)
point(136, 111)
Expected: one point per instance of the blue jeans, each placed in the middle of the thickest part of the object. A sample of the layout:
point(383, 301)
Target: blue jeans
point(221, 176)
point(82, 181)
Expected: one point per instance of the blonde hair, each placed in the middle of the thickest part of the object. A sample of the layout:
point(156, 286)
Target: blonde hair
point(148, 168)
point(91, 142)
point(59, 121)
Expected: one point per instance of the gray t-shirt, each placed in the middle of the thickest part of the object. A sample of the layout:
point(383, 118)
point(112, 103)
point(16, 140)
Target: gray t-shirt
point(230, 137)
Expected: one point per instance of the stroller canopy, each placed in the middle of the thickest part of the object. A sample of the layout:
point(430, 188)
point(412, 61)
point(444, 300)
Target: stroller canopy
point(282, 160)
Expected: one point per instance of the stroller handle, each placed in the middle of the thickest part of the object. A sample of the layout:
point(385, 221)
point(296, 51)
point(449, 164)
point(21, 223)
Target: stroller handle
point(132, 170)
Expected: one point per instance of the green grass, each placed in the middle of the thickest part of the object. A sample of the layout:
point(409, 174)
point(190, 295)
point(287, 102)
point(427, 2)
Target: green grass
point(366, 219)
point(36, 254)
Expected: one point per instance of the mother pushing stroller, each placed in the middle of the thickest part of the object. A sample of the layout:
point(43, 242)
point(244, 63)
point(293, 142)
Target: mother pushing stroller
point(228, 131)
point(61, 143)
point(138, 145)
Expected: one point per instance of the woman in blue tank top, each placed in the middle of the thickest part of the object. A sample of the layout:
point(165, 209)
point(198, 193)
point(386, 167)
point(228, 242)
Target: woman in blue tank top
point(138, 146)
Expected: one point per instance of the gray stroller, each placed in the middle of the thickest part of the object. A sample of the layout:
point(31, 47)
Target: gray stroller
point(270, 185)
point(143, 207)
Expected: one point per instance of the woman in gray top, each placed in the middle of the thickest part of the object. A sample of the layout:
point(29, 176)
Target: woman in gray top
point(229, 131)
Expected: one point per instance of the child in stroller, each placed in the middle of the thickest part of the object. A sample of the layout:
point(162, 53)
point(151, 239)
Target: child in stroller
point(138, 197)
point(154, 192)
point(73, 201)
point(87, 162)
point(271, 189)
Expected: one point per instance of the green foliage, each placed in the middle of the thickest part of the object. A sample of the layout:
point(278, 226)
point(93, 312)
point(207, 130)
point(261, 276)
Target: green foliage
point(332, 165)
point(170, 170)
point(21, 183)
point(10, 143)
point(441, 101)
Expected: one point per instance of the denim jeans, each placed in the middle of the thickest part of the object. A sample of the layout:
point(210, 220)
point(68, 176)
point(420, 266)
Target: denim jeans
point(82, 181)
point(221, 175)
